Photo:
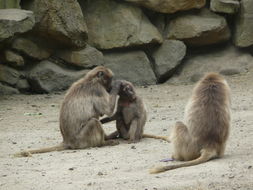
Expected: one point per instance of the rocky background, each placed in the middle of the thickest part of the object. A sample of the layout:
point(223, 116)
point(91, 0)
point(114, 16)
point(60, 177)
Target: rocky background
point(45, 45)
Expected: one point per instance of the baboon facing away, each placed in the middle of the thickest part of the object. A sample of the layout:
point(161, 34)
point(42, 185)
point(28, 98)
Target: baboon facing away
point(85, 101)
point(204, 133)
point(130, 116)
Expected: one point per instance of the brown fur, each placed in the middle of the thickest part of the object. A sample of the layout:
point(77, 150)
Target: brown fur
point(130, 116)
point(85, 101)
point(207, 122)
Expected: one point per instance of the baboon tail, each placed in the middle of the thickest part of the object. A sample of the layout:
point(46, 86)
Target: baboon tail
point(156, 137)
point(204, 157)
point(29, 153)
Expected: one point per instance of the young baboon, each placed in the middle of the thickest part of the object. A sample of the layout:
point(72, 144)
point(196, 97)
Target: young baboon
point(85, 101)
point(130, 116)
point(204, 134)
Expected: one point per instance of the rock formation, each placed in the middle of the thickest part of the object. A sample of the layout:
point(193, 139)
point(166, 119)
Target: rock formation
point(46, 45)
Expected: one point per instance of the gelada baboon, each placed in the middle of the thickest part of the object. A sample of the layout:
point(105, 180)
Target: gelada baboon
point(85, 101)
point(204, 134)
point(130, 116)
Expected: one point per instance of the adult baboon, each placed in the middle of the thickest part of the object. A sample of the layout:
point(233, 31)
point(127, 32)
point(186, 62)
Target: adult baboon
point(204, 134)
point(85, 101)
point(130, 116)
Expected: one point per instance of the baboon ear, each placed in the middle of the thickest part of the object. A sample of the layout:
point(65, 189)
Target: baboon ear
point(100, 74)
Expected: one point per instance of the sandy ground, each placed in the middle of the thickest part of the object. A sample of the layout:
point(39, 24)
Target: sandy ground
point(124, 166)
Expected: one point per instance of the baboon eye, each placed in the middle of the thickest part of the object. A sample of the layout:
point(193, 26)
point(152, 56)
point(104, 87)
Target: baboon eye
point(100, 74)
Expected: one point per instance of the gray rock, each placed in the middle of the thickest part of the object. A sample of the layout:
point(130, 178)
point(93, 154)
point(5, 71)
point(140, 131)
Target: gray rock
point(48, 77)
point(30, 49)
point(244, 25)
point(13, 59)
point(227, 61)
point(225, 6)
point(23, 85)
point(14, 21)
point(170, 6)
point(87, 58)
point(7, 90)
point(198, 29)
point(133, 66)
point(8, 75)
point(112, 24)
point(59, 21)
point(167, 57)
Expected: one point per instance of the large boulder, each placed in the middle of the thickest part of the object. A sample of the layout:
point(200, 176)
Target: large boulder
point(59, 21)
point(227, 61)
point(170, 6)
point(13, 21)
point(13, 58)
point(167, 57)
point(7, 90)
point(113, 24)
point(198, 29)
point(225, 6)
point(23, 85)
point(244, 26)
point(9, 75)
point(133, 66)
point(48, 77)
point(88, 57)
point(29, 48)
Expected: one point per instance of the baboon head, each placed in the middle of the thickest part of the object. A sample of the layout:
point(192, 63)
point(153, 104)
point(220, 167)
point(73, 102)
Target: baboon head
point(127, 91)
point(105, 79)
point(103, 75)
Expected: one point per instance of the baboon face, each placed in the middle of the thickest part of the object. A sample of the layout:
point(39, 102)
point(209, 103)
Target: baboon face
point(127, 91)
point(105, 79)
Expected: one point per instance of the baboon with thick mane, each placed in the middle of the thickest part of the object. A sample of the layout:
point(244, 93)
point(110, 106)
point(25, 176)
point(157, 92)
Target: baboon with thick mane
point(85, 101)
point(204, 133)
point(131, 116)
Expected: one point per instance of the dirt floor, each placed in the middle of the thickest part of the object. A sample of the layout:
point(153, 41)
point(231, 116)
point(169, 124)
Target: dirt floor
point(31, 121)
